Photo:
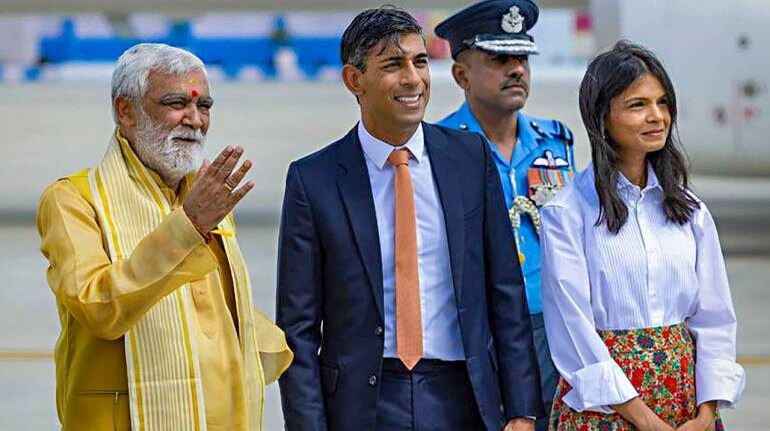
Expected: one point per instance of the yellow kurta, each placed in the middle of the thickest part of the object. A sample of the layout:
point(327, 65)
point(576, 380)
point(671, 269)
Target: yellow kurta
point(98, 301)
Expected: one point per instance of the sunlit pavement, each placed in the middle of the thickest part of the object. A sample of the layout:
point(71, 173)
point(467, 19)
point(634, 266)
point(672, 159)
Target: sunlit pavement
point(28, 314)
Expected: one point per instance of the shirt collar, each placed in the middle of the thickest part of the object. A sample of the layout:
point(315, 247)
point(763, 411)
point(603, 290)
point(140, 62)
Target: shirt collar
point(652, 180)
point(525, 139)
point(586, 183)
point(377, 151)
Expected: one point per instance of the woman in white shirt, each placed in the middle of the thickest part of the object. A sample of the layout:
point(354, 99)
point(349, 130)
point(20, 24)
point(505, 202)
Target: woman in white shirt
point(634, 283)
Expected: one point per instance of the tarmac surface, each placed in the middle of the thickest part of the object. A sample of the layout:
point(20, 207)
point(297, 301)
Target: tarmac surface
point(28, 313)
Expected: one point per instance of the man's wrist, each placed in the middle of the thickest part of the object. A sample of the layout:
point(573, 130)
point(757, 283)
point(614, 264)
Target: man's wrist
point(207, 236)
point(522, 418)
point(526, 421)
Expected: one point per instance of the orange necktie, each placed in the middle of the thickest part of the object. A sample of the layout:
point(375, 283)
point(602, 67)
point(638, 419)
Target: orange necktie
point(408, 320)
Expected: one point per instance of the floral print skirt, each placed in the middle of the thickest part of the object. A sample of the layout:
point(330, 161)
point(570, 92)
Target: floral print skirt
point(660, 364)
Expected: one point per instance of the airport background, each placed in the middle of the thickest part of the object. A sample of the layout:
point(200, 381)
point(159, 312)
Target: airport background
point(274, 69)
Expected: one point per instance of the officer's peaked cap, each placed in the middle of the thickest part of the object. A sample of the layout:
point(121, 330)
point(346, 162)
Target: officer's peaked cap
point(496, 26)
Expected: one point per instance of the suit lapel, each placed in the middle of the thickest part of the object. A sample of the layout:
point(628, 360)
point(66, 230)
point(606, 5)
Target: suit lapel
point(445, 172)
point(356, 193)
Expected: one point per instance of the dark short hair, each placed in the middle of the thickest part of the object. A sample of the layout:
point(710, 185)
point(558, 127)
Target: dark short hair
point(372, 26)
point(608, 76)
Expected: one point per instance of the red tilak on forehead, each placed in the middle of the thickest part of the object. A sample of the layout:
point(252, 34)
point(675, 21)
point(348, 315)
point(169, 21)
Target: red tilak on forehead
point(194, 93)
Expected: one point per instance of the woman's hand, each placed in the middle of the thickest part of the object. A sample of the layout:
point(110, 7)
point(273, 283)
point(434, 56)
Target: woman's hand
point(696, 425)
point(656, 424)
point(704, 421)
point(637, 412)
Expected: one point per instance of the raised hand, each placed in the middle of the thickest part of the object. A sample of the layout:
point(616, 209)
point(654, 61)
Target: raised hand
point(215, 191)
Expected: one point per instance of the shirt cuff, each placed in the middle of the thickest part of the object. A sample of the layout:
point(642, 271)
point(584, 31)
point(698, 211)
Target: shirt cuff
point(182, 230)
point(598, 386)
point(179, 236)
point(719, 380)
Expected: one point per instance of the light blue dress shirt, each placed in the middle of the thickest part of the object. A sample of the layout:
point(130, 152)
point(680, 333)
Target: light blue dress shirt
point(440, 326)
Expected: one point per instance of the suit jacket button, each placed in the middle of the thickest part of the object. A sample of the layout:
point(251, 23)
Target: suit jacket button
point(372, 380)
point(378, 331)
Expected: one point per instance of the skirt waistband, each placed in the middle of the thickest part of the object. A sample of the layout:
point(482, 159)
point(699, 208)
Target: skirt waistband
point(647, 339)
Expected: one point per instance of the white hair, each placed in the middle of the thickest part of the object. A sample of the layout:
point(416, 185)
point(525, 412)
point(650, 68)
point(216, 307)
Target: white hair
point(130, 77)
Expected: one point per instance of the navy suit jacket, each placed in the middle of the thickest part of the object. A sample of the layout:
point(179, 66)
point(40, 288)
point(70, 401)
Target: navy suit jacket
point(330, 286)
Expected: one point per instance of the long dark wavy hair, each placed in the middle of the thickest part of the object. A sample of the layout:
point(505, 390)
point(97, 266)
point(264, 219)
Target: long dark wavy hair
point(607, 77)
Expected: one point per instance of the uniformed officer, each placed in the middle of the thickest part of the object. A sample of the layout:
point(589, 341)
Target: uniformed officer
point(491, 49)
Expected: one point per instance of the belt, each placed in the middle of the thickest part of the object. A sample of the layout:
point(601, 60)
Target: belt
point(394, 365)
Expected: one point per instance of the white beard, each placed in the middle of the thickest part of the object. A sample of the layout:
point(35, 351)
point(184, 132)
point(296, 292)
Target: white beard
point(157, 149)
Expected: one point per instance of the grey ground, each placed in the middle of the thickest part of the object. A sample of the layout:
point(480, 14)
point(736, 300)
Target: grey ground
point(28, 314)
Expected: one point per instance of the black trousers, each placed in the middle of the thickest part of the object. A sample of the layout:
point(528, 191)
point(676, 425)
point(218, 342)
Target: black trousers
point(435, 395)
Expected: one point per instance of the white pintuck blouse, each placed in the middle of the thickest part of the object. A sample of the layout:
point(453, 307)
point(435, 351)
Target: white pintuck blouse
point(652, 273)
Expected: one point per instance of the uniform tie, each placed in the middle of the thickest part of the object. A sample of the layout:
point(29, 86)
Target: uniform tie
point(408, 319)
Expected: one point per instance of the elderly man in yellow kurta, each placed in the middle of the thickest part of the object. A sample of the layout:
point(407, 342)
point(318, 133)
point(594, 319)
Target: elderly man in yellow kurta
point(158, 328)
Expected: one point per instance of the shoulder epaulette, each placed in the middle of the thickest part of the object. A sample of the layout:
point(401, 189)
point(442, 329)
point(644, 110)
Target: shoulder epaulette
point(539, 129)
point(563, 132)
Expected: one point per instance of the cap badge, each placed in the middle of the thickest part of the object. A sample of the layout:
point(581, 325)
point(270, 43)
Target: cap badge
point(513, 22)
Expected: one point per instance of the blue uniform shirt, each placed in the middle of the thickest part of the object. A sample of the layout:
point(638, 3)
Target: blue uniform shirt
point(542, 156)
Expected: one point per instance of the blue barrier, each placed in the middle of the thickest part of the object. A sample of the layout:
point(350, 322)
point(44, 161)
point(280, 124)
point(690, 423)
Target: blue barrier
point(232, 54)
point(229, 53)
point(24, 74)
point(68, 47)
point(313, 53)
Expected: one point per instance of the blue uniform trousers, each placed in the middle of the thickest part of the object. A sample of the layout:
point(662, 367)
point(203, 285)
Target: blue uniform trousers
point(434, 396)
point(549, 377)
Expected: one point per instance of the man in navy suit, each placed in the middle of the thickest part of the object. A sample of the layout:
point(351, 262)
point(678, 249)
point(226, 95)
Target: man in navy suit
point(399, 288)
